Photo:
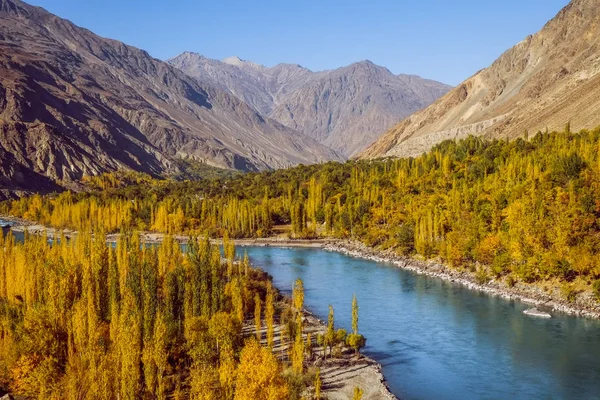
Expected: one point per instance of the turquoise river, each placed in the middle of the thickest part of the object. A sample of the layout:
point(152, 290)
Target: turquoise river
point(439, 340)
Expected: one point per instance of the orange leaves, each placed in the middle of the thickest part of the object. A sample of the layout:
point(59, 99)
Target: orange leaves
point(22, 370)
point(488, 248)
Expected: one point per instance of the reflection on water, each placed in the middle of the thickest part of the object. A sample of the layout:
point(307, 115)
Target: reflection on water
point(437, 340)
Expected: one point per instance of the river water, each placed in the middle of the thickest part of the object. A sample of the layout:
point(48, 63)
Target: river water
point(438, 340)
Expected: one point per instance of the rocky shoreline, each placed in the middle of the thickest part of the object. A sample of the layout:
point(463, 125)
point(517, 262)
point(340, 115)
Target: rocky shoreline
point(523, 292)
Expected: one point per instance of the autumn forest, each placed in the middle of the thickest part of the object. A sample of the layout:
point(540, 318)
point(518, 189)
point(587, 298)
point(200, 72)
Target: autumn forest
point(79, 318)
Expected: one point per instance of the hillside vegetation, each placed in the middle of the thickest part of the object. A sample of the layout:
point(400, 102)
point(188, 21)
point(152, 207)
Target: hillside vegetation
point(526, 210)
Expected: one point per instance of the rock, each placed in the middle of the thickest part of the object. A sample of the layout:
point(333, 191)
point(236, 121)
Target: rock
point(534, 312)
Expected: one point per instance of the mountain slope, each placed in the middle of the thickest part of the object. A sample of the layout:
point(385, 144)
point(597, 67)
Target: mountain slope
point(544, 81)
point(344, 108)
point(73, 103)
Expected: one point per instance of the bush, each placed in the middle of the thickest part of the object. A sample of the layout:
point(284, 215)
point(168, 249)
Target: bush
point(568, 292)
point(501, 263)
point(567, 168)
point(596, 289)
point(511, 281)
point(406, 238)
point(481, 276)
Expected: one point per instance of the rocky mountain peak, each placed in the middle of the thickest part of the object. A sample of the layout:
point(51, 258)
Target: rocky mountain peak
point(366, 64)
point(234, 60)
point(344, 109)
point(366, 68)
point(238, 62)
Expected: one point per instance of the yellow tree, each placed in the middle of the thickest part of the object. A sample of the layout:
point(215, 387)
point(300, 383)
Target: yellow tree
point(270, 315)
point(259, 375)
point(358, 393)
point(298, 355)
point(318, 384)
point(130, 342)
point(355, 340)
point(204, 382)
point(160, 355)
point(257, 316)
point(227, 373)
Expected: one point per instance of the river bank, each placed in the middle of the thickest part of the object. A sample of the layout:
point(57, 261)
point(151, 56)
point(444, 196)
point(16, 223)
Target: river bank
point(22, 225)
point(340, 374)
point(584, 306)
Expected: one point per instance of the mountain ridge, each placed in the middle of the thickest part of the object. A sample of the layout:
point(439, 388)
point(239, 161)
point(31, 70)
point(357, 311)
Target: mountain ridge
point(344, 108)
point(73, 103)
point(544, 81)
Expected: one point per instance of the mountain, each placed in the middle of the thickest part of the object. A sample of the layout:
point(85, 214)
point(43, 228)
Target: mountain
point(345, 109)
point(73, 104)
point(543, 82)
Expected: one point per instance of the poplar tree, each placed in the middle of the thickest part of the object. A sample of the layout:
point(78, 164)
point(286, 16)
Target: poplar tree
point(355, 340)
point(329, 337)
point(257, 317)
point(270, 315)
point(357, 394)
point(259, 375)
point(318, 384)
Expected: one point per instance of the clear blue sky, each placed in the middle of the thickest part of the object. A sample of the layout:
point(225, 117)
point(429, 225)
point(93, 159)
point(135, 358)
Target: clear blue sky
point(446, 40)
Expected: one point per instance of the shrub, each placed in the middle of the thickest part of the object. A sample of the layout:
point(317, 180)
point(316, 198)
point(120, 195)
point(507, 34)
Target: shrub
point(511, 281)
point(481, 276)
point(596, 289)
point(568, 292)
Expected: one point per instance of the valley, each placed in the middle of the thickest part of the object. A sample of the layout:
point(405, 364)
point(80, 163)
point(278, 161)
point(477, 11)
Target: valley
point(196, 227)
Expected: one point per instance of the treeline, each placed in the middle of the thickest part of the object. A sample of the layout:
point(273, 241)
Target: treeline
point(82, 320)
point(524, 209)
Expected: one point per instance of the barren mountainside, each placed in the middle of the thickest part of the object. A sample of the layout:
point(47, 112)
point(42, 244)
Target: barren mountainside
point(345, 109)
point(73, 103)
point(545, 81)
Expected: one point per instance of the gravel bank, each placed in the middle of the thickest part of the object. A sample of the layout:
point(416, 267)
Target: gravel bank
point(585, 305)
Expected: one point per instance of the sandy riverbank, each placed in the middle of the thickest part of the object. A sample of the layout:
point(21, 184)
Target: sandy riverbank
point(340, 374)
